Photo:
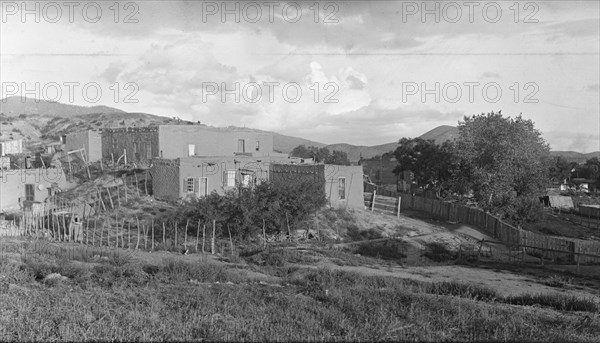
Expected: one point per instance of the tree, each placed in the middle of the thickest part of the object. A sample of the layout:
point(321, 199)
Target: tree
point(500, 159)
point(560, 169)
point(430, 163)
point(321, 155)
point(338, 157)
point(593, 168)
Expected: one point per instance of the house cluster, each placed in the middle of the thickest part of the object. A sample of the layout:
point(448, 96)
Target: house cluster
point(26, 179)
point(188, 161)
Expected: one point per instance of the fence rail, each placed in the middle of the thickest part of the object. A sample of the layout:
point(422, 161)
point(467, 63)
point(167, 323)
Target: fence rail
point(567, 249)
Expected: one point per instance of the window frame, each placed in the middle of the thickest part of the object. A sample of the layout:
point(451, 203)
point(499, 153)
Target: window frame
point(29, 186)
point(342, 188)
point(187, 185)
point(229, 175)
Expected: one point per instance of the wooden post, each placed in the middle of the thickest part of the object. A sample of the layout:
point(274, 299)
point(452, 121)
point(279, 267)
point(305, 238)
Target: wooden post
point(399, 205)
point(176, 233)
point(145, 237)
point(137, 186)
point(152, 233)
point(101, 233)
point(94, 234)
point(112, 205)
point(129, 235)
point(212, 244)
point(137, 245)
point(288, 226)
point(87, 232)
point(64, 222)
point(318, 231)
point(373, 201)
point(230, 240)
point(264, 234)
point(164, 238)
point(578, 258)
point(185, 235)
point(203, 237)
point(125, 184)
point(119, 195)
point(197, 235)
point(146, 182)
point(100, 198)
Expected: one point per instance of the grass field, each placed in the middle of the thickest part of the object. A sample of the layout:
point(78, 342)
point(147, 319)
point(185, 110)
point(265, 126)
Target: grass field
point(267, 295)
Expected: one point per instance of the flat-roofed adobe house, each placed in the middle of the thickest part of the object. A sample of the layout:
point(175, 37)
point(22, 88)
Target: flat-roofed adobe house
point(11, 147)
point(200, 176)
point(178, 141)
point(18, 186)
point(89, 140)
point(344, 186)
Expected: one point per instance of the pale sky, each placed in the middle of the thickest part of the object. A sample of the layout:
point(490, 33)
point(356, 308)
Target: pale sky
point(374, 59)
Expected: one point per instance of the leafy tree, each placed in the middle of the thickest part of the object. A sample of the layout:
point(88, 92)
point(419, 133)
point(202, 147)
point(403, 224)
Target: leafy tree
point(430, 163)
point(500, 158)
point(321, 155)
point(593, 168)
point(560, 169)
point(338, 157)
point(244, 211)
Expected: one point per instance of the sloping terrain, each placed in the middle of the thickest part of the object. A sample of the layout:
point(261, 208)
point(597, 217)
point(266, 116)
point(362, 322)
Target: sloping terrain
point(15, 105)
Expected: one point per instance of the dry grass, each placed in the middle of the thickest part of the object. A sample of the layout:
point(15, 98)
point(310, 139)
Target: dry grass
point(171, 299)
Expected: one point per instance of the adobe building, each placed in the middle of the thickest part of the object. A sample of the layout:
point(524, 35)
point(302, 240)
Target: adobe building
point(344, 186)
point(177, 141)
point(29, 185)
point(11, 147)
point(89, 140)
point(200, 176)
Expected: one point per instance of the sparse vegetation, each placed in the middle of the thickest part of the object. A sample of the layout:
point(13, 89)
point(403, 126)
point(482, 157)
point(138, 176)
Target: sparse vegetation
point(170, 299)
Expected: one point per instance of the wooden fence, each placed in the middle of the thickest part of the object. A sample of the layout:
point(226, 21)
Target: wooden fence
point(589, 211)
point(565, 249)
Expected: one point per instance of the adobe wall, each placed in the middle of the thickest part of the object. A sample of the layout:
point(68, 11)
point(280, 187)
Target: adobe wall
point(354, 186)
point(12, 185)
point(251, 138)
point(11, 147)
point(175, 139)
point(141, 143)
point(90, 140)
point(165, 179)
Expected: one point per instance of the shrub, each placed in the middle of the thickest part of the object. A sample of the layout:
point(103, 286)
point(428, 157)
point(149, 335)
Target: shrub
point(438, 252)
point(389, 249)
point(525, 210)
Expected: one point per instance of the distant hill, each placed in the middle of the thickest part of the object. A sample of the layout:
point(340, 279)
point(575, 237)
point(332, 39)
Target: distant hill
point(286, 144)
point(573, 156)
point(15, 105)
point(441, 134)
point(45, 121)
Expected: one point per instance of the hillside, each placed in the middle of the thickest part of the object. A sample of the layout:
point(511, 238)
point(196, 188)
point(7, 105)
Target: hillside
point(45, 121)
point(441, 134)
point(14, 106)
point(286, 144)
point(573, 156)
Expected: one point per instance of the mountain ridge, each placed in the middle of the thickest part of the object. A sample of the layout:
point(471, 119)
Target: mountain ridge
point(54, 119)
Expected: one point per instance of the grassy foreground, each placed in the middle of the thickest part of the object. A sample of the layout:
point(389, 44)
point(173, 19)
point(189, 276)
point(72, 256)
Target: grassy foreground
point(116, 299)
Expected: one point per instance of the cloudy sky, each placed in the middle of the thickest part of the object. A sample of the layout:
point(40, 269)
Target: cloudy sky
point(357, 72)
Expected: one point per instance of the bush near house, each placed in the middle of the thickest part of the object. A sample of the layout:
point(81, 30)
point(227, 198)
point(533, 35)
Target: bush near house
point(246, 210)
